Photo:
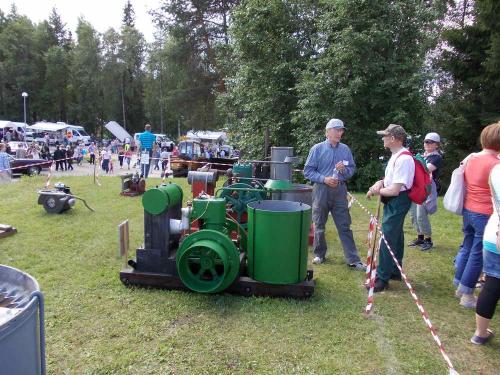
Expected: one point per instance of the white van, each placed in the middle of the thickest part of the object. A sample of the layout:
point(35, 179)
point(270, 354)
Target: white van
point(19, 127)
point(78, 134)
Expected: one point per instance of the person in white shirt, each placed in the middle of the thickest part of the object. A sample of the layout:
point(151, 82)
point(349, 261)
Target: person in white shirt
point(164, 156)
point(393, 189)
point(106, 157)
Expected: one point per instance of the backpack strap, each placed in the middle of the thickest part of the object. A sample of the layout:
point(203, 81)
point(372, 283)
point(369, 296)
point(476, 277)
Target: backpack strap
point(405, 152)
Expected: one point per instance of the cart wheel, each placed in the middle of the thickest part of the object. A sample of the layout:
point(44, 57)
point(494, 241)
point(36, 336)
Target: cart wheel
point(34, 171)
point(52, 205)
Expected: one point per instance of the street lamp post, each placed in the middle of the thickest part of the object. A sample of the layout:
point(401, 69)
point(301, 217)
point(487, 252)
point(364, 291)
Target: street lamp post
point(24, 95)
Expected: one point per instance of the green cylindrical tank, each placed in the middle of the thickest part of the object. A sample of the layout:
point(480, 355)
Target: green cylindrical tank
point(277, 241)
point(243, 170)
point(157, 200)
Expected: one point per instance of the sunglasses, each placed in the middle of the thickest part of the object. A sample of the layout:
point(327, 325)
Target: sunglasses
point(427, 142)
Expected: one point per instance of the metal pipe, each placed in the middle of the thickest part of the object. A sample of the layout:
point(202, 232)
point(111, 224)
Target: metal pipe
point(41, 317)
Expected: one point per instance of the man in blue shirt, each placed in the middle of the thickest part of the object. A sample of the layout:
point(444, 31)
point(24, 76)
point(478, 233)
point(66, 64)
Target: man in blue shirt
point(329, 165)
point(147, 140)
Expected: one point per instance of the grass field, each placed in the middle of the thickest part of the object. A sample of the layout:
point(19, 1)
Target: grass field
point(95, 325)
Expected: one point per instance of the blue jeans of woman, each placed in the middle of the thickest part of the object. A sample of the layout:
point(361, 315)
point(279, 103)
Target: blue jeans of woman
point(469, 262)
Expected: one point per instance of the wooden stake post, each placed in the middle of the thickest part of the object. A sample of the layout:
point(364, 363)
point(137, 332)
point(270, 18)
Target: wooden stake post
point(124, 241)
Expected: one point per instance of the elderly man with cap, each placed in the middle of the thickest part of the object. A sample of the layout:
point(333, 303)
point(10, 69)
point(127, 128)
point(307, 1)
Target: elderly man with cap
point(393, 189)
point(419, 212)
point(329, 165)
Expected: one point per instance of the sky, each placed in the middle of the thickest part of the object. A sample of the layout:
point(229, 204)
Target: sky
point(102, 14)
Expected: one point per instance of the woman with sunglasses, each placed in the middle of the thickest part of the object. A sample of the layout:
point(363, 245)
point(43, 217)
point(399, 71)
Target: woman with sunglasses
point(419, 212)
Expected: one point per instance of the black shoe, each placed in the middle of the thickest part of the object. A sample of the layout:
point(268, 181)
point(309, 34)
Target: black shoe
point(416, 242)
point(396, 277)
point(380, 286)
point(427, 245)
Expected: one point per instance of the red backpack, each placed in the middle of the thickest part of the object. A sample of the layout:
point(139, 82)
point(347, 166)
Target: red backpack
point(422, 184)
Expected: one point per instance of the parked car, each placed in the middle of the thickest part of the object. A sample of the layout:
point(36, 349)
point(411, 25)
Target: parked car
point(29, 136)
point(28, 166)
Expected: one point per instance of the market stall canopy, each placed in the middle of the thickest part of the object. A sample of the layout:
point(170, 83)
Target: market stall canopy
point(7, 124)
point(115, 129)
point(207, 135)
point(50, 126)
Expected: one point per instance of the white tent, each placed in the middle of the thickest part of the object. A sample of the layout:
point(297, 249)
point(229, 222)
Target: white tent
point(207, 135)
point(115, 129)
point(7, 124)
point(48, 126)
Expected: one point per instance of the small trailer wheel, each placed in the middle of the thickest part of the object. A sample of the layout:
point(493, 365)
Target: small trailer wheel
point(52, 205)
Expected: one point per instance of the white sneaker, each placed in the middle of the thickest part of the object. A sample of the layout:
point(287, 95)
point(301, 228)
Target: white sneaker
point(318, 260)
point(468, 301)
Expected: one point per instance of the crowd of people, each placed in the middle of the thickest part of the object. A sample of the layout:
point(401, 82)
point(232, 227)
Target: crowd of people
point(10, 134)
point(329, 166)
point(67, 154)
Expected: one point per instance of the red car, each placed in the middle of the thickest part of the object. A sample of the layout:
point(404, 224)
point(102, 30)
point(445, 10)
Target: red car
point(28, 166)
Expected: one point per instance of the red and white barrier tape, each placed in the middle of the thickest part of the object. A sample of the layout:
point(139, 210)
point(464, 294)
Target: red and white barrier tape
point(369, 260)
point(97, 162)
point(425, 315)
point(47, 182)
point(371, 279)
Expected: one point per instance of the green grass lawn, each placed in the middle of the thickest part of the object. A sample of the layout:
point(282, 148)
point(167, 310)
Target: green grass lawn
point(95, 325)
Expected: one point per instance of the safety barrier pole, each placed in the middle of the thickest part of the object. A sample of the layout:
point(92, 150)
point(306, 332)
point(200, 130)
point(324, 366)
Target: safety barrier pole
point(425, 315)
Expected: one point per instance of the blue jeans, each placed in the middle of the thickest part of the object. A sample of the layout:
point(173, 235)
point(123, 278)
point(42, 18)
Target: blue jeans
point(145, 167)
point(469, 261)
point(420, 219)
point(327, 200)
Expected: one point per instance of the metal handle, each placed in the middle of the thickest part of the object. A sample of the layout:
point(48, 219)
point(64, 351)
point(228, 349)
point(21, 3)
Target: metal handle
point(41, 319)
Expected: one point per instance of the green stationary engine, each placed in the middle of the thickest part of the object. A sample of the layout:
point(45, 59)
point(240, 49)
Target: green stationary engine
point(203, 246)
point(208, 261)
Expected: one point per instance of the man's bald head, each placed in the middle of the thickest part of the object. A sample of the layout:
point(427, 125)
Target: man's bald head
point(147, 127)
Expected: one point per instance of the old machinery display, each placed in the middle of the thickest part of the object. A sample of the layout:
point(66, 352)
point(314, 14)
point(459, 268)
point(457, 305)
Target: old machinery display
point(132, 184)
point(59, 199)
point(216, 257)
point(202, 181)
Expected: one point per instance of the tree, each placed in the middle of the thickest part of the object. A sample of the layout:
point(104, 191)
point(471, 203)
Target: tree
point(85, 85)
point(469, 90)
point(58, 28)
point(128, 15)
point(131, 52)
point(269, 51)
point(112, 77)
point(368, 71)
point(55, 89)
point(19, 67)
point(192, 67)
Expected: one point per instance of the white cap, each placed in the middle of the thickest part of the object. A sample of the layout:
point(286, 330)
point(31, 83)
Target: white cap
point(433, 137)
point(335, 123)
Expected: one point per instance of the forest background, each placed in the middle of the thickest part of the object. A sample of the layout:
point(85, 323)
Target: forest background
point(270, 72)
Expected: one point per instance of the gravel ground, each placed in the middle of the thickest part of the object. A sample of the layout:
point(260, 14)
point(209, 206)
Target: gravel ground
point(87, 169)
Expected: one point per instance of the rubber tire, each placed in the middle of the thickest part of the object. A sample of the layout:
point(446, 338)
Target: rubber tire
point(33, 171)
point(52, 205)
